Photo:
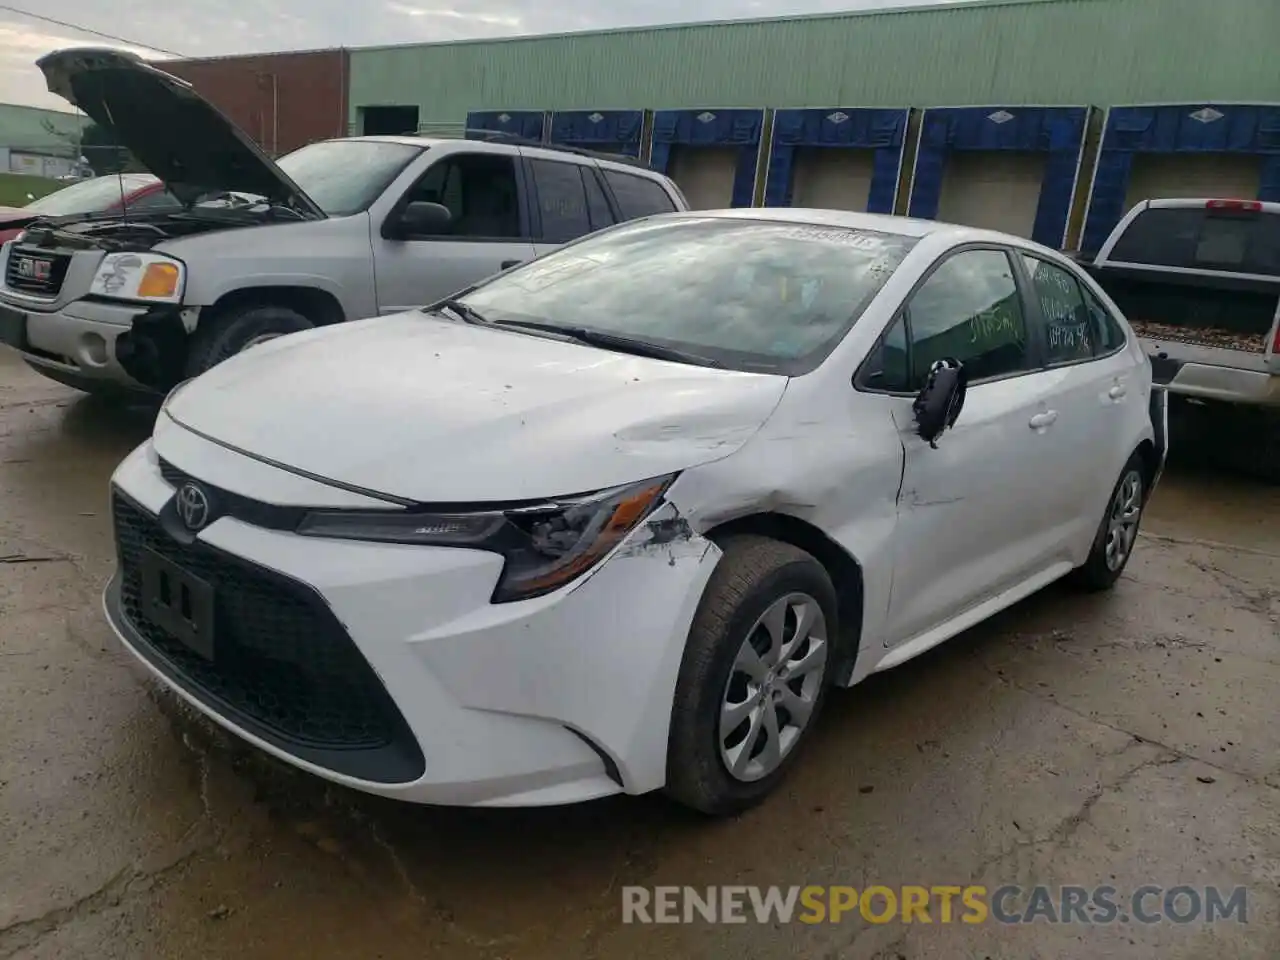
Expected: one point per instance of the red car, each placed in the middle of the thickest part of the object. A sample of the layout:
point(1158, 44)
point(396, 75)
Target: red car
point(109, 194)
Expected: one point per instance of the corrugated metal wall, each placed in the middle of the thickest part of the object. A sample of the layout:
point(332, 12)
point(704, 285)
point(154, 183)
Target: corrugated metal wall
point(282, 100)
point(1001, 51)
point(33, 130)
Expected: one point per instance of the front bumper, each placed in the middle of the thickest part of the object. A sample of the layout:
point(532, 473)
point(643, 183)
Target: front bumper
point(76, 341)
point(553, 700)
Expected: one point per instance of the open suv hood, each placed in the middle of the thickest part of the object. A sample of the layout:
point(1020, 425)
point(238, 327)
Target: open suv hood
point(173, 131)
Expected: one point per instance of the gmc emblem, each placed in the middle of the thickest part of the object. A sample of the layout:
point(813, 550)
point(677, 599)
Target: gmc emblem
point(31, 269)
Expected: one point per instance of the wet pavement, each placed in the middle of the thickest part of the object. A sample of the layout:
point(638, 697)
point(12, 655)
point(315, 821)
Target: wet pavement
point(1122, 740)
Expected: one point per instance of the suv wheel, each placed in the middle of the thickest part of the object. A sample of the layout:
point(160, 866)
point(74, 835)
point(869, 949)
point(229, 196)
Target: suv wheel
point(239, 330)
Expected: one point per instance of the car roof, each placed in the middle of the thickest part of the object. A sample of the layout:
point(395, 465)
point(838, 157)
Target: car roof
point(879, 222)
point(566, 152)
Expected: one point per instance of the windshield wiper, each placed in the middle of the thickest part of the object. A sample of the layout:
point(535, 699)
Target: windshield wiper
point(614, 341)
point(464, 312)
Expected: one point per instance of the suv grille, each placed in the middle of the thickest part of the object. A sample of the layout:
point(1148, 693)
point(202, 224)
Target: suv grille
point(283, 666)
point(31, 270)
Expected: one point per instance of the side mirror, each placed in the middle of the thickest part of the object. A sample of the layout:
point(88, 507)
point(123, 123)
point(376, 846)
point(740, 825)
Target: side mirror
point(425, 219)
point(939, 402)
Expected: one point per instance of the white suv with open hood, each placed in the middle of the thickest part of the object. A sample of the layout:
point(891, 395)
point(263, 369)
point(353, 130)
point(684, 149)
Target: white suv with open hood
point(344, 229)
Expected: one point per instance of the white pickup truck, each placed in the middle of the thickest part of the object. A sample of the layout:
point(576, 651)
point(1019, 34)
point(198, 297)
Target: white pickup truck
point(337, 230)
point(1199, 280)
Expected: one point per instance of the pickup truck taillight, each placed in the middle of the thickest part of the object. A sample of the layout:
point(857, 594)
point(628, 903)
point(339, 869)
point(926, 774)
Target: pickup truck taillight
point(1275, 343)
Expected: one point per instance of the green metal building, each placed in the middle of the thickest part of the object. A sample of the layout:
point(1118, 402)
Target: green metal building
point(858, 110)
point(36, 141)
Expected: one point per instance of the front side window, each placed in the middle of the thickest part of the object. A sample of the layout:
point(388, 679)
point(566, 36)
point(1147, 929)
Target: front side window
point(480, 192)
point(969, 310)
point(748, 294)
point(343, 177)
point(1068, 327)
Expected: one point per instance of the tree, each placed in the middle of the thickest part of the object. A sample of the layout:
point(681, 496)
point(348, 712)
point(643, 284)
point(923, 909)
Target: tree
point(98, 145)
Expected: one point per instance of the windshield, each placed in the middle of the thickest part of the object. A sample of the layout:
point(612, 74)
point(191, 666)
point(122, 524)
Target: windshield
point(345, 176)
point(90, 196)
point(748, 294)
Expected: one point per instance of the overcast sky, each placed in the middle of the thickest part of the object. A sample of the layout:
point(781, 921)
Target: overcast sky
point(216, 27)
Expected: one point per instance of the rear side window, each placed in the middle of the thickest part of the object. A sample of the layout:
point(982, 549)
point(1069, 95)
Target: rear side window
point(562, 200)
point(1109, 336)
point(1068, 326)
point(597, 205)
point(1233, 241)
point(638, 196)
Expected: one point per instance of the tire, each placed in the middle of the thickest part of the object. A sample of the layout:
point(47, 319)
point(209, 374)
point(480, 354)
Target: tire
point(238, 329)
point(756, 576)
point(1112, 548)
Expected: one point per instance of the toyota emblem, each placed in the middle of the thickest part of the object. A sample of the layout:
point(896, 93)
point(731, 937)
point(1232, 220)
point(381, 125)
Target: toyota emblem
point(193, 506)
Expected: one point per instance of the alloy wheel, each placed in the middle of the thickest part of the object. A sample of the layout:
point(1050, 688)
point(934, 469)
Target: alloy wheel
point(773, 687)
point(1122, 521)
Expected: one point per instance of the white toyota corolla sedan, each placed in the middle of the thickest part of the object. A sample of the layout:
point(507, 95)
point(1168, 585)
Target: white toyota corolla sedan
point(617, 519)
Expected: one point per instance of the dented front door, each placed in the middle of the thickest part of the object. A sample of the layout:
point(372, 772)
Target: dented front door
point(971, 521)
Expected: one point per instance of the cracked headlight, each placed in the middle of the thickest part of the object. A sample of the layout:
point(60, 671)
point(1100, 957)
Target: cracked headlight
point(139, 276)
point(546, 546)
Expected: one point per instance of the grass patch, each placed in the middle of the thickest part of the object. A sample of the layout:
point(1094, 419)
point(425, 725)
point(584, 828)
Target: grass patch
point(14, 188)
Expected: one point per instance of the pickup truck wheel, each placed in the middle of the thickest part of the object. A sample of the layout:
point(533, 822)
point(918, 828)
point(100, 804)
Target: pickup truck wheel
point(239, 330)
point(753, 677)
point(1118, 533)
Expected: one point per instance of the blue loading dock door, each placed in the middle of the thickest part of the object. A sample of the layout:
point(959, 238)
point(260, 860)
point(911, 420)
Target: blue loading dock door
point(608, 131)
point(1204, 134)
point(527, 124)
point(1056, 134)
point(878, 132)
point(679, 136)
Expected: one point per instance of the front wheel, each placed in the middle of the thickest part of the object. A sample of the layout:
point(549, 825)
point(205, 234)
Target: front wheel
point(1113, 544)
point(240, 329)
point(753, 677)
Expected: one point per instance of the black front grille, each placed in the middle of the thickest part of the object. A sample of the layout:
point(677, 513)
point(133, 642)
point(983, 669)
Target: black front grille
point(31, 270)
point(283, 666)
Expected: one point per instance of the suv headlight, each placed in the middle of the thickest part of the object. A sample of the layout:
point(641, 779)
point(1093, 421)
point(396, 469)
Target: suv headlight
point(140, 276)
point(545, 545)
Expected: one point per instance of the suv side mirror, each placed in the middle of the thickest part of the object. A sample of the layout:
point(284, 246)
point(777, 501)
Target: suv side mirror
point(423, 218)
point(939, 402)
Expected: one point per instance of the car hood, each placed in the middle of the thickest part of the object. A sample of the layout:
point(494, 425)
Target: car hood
point(424, 409)
point(12, 218)
point(173, 131)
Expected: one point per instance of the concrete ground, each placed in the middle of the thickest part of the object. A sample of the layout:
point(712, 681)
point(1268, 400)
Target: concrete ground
point(1124, 740)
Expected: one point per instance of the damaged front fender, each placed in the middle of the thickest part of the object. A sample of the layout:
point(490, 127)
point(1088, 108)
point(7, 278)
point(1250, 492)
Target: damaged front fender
point(154, 351)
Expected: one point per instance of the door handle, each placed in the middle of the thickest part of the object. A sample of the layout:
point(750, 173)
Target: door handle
point(1042, 420)
point(1118, 391)
point(508, 264)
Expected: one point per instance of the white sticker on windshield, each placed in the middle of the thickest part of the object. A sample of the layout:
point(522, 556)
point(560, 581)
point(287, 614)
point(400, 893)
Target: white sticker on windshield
point(838, 235)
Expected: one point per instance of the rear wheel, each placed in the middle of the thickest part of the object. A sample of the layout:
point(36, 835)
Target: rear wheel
point(753, 678)
point(1114, 542)
point(240, 329)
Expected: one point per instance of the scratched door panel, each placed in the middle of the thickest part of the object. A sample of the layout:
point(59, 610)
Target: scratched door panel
point(970, 521)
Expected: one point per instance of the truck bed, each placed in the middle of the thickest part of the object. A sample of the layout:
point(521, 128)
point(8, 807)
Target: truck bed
point(1226, 314)
point(1200, 336)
